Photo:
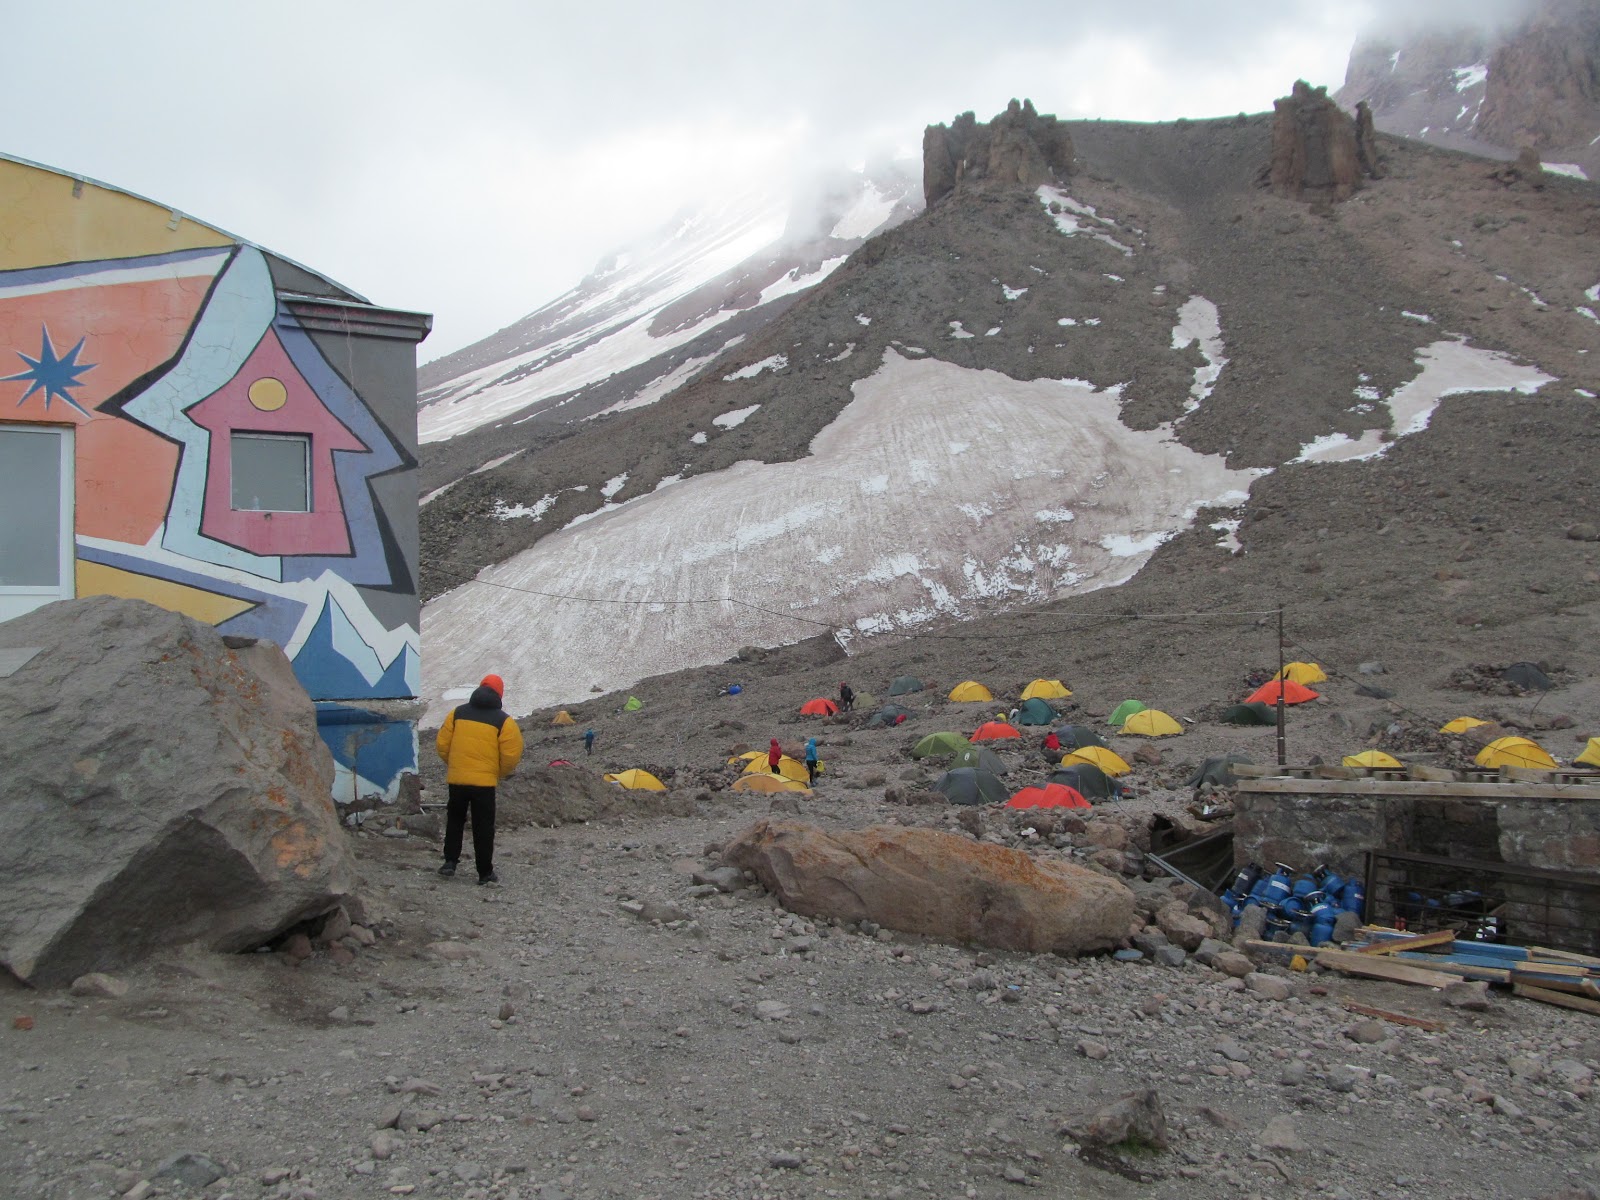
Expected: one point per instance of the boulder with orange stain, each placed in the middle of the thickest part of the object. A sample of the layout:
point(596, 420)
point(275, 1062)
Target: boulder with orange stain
point(938, 884)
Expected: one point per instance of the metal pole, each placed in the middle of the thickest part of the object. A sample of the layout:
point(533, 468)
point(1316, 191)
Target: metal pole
point(1282, 751)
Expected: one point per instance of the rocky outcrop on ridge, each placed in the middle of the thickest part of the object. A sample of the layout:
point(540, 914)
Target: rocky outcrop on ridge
point(157, 787)
point(1316, 152)
point(1018, 146)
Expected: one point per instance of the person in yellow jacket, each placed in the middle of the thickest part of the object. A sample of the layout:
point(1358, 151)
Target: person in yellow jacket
point(480, 745)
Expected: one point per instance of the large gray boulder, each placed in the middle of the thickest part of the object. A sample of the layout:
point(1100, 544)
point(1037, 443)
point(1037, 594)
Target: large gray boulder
point(156, 787)
point(934, 883)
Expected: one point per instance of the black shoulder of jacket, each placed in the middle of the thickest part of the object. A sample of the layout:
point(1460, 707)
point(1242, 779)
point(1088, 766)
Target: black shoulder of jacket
point(496, 717)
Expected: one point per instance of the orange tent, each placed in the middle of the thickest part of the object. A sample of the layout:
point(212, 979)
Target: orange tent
point(994, 731)
point(1051, 795)
point(1293, 693)
point(820, 707)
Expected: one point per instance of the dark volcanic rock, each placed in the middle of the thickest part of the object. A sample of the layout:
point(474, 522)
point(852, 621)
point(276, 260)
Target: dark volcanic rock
point(1019, 146)
point(1315, 152)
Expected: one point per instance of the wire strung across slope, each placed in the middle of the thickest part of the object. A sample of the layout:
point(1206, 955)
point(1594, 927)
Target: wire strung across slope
point(1096, 619)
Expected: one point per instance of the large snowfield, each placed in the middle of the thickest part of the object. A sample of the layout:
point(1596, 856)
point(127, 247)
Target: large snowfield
point(939, 491)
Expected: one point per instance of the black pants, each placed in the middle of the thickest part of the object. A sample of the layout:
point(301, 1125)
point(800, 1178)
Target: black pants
point(481, 802)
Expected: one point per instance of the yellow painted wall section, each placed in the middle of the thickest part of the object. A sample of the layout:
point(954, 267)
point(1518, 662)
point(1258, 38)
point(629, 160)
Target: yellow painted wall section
point(97, 579)
point(45, 224)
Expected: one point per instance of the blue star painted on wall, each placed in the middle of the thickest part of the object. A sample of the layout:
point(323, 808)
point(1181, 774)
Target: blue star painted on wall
point(53, 374)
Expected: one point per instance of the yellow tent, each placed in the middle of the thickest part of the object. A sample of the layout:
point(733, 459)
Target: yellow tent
point(1515, 752)
point(1046, 689)
point(1461, 725)
point(768, 783)
point(970, 691)
point(749, 756)
point(562, 718)
point(1302, 672)
point(1591, 754)
point(637, 781)
point(1108, 761)
point(1152, 722)
point(789, 768)
point(1372, 758)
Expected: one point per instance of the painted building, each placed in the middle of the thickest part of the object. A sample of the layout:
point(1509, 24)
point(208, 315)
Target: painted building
point(189, 419)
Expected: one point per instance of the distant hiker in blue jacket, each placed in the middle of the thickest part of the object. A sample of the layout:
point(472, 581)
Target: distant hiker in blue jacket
point(811, 760)
point(588, 742)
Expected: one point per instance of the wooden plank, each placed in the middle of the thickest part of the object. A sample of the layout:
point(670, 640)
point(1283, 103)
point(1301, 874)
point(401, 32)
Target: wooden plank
point(1366, 1010)
point(1558, 998)
point(1413, 787)
point(1384, 968)
point(1434, 774)
point(1441, 962)
point(1566, 956)
point(1554, 983)
point(1418, 941)
point(1329, 771)
point(1279, 947)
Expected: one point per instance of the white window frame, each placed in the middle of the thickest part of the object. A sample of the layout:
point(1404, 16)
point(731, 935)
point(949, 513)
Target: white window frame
point(18, 599)
point(304, 441)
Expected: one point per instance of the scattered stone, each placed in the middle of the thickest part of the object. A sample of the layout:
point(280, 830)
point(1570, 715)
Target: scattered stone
point(1137, 1117)
point(1366, 1033)
point(98, 984)
point(772, 1010)
point(1093, 1049)
point(665, 911)
point(1234, 964)
point(1232, 1051)
point(272, 1176)
point(1170, 956)
point(1342, 1079)
point(192, 1170)
point(297, 946)
point(724, 879)
point(383, 1145)
point(1506, 1108)
point(1181, 927)
point(1470, 994)
point(1253, 925)
point(1280, 1135)
point(1268, 986)
point(451, 951)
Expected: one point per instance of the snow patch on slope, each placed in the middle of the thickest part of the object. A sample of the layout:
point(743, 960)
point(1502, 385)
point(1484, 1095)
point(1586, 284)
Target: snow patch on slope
point(1199, 324)
point(736, 533)
point(1448, 369)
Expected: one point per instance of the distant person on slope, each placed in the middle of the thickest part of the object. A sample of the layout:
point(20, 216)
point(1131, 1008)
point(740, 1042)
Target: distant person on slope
point(480, 745)
point(811, 760)
point(588, 742)
point(774, 756)
point(1052, 745)
point(847, 697)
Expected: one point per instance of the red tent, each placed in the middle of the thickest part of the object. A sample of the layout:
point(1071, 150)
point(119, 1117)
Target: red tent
point(1051, 795)
point(820, 707)
point(1293, 693)
point(994, 731)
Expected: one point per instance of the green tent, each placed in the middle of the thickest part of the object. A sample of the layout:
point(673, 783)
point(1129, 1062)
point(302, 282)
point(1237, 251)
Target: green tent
point(982, 758)
point(970, 785)
point(937, 745)
point(1034, 712)
point(1125, 710)
point(1259, 713)
point(634, 704)
point(1076, 737)
point(903, 684)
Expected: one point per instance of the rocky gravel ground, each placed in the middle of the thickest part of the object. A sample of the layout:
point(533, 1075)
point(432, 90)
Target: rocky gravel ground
point(602, 1025)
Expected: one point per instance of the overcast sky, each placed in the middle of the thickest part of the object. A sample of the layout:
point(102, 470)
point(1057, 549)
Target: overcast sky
point(474, 158)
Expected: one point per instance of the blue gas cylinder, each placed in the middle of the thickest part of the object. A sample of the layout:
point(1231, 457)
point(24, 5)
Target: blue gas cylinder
point(1249, 875)
point(1280, 885)
point(1354, 897)
point(1304, 885)
point(1329, 881)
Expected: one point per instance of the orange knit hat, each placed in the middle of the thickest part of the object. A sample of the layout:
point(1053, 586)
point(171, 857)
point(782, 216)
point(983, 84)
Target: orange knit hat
point(495, 682)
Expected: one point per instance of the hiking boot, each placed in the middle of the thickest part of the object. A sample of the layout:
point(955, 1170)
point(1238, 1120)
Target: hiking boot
point(491, 877)
point(448, 869)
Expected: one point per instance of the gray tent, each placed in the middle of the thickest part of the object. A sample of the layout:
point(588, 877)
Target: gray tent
point(1528, 677)
point(1218, 771)
point(903, 684)
point(889, 714)
point(1076, 737)
point(1091, 782)
point(971, 785)
point(1257, 713)
point(981, 757)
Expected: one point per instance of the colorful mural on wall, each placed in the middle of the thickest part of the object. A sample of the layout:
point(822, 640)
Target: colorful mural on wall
point(161, 341)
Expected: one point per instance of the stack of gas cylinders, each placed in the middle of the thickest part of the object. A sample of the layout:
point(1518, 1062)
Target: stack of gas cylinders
point(1295, 903)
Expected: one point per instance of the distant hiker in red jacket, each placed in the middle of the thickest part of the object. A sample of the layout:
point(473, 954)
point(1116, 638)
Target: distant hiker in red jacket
point(1052, 744)
point(774, 756)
